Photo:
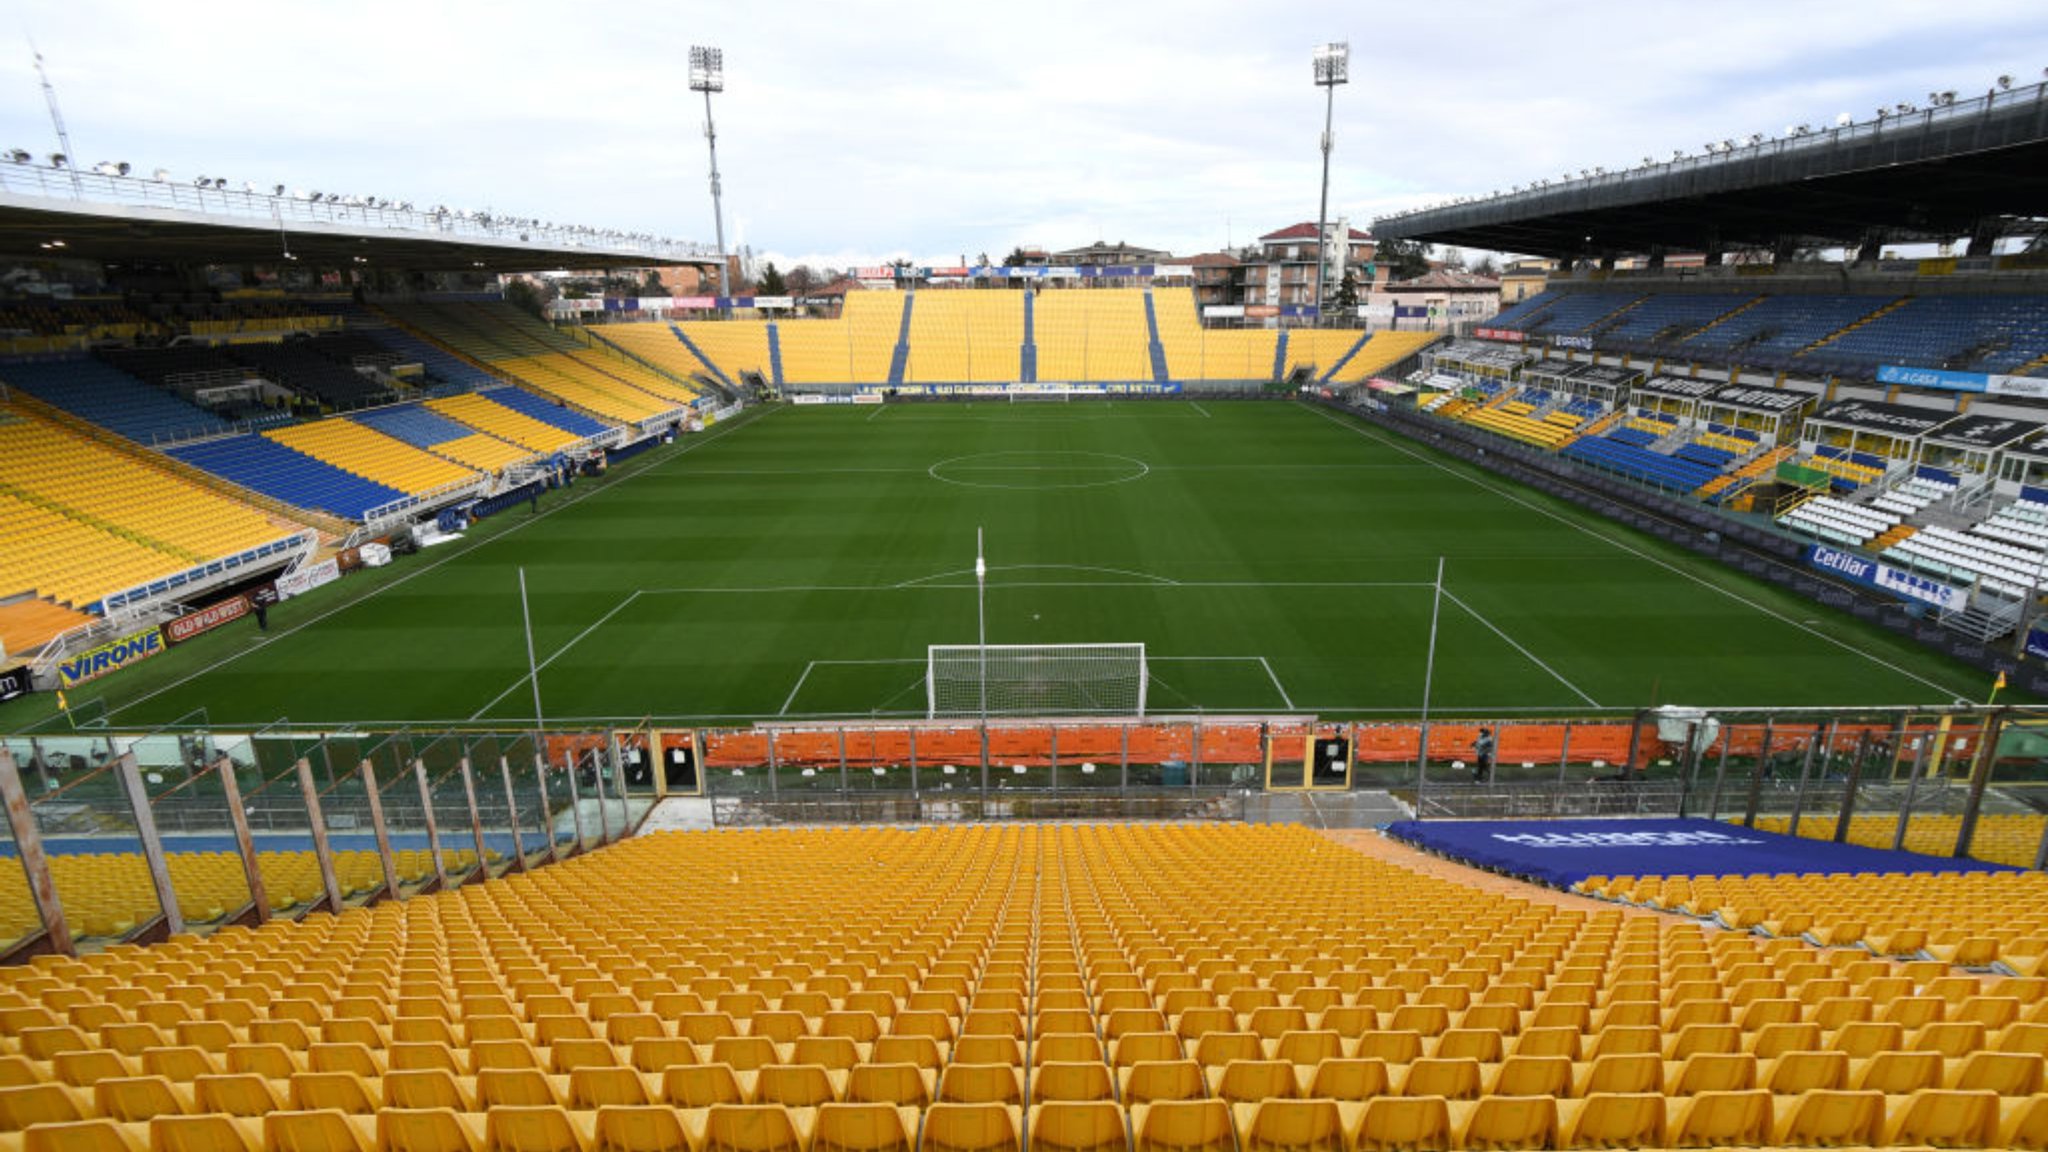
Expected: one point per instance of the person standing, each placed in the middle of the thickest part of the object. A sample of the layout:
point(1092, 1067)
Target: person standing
point(1483, 750)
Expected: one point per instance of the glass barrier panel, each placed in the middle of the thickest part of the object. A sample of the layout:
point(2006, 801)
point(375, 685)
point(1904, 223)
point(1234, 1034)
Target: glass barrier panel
point(529, 808)
point(637, 769)
point(345, 812)
point(1383, 756)
point(447, 801)
point(20, 922)
point(2013, 816)
point(95, 854)
point(201, 849)
point(404, 811)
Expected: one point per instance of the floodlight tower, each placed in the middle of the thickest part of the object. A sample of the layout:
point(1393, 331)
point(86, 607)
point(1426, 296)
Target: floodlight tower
point(1333, 67)
point(707, 75)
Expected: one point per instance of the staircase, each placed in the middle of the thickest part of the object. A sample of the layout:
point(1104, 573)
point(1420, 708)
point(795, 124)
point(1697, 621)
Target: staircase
point(1891, 536)
point(1730, 484)
point(1153, 348)
point(899, 360)
point(1280, 356)
point(1027, 356)
point(1985, 620)
point(1838, 333)
point(1708, 327)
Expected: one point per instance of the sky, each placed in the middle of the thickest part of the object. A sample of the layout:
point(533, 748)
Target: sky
point(856, 132)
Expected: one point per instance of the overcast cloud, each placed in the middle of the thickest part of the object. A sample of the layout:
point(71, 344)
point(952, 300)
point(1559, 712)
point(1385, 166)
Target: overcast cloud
point(857, 131)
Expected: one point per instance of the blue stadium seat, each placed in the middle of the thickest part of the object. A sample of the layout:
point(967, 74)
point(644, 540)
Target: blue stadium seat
point(112, 399)
point(1613, 455)
point(546, 411)
point(413, 424)
point(269, 467)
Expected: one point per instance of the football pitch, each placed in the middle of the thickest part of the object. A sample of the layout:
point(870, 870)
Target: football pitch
point(796, 564)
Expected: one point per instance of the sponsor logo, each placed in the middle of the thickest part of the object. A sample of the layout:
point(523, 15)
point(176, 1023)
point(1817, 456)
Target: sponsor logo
point(1626, 839)
point(306, 579)
point(1842, 562)
point(112, 656)
point(15, 682)
point(205, 620)
point(1582, 343)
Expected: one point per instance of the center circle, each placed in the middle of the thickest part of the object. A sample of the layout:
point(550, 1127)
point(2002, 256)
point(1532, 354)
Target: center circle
point(1029, 471)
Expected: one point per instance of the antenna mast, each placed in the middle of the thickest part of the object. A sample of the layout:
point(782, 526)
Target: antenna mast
point(57, 120)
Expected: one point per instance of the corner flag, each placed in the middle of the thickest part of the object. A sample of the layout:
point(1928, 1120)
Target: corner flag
point(980, 565)
point(1996, 686)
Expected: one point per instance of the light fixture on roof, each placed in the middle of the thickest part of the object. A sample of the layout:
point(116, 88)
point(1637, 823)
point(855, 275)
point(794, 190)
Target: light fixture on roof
point(277, 189)
point(1754, 139)
point(1843, 120)
point(59, 160)
point(160, 175)
point(20, 155)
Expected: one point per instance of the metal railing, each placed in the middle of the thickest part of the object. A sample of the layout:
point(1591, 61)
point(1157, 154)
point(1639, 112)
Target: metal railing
point(371, 215)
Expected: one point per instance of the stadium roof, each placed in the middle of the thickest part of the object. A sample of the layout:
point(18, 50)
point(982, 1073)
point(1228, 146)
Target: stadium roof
point(52, 213)
point(1936, 173)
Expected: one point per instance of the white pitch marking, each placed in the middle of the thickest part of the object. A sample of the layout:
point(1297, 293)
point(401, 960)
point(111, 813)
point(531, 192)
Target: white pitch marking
point(1285, 700)
point(879, 409)
point(1633, 551)
point(1533, 658)
point(557, 654)
point(456, 551)
point(798, 687)
point(1202, 410)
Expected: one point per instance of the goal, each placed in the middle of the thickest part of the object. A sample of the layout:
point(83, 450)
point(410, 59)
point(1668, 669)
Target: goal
point(1039, 393)
point(1035, 679)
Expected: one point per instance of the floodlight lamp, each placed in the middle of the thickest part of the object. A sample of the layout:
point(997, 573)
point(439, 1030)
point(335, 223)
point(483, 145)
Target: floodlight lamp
point(2004, 83)
point(160, 175)
point(202, 181)
point(58, 160)
point(1727, 145)
point(707, 69)
point(1333, 63)
point(1843, 120)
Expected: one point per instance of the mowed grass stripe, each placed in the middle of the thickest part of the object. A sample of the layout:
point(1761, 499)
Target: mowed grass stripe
point(1262, 529)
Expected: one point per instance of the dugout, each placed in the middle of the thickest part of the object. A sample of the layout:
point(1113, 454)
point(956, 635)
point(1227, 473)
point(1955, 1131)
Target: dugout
point(1674, 397)
point(1606, 384)
point(1971, 447)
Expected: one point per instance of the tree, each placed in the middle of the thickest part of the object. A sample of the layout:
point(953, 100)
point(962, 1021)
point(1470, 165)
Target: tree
point(772, 281)
point(1404, 259)
point(801, 279)
point(1344, 299)
point(1453, 258)
point(1016, 258)
point(1483, 265)
point(653, 285)
point(528, 297)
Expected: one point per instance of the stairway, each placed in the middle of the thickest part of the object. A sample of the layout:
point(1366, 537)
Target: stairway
point(1838, 333)
point(1891, 536)
point(1727, 485)
point(1985, 624)
point(1754, 301)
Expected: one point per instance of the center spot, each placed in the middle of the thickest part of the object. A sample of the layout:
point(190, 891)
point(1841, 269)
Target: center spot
point(1038, 471)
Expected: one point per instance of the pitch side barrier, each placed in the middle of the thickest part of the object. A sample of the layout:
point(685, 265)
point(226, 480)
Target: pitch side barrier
point(1736, 544)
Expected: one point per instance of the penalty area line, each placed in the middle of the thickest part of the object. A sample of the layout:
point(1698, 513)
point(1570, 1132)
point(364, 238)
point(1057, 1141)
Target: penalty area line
point(1285, 700)
point(556, 654)
point(1532, 657)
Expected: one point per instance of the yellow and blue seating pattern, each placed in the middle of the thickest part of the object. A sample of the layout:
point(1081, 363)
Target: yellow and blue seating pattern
point(1047, 988)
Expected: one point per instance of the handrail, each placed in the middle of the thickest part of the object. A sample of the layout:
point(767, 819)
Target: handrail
point(368, 214)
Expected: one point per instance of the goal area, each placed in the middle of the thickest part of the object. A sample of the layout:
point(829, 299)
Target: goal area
point(965, 680)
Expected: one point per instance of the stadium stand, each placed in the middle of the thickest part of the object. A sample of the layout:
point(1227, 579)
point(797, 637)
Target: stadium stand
point(732, 347)
point(1999, 837)
point(480, 411)
point(106, 521)
point(1577, 311)
point(1839, 521)
point(1380, 353)
point(1970, 919)
point(514, 344)
point(554, 414)
point(97, 391)
point(854, 349)
point(1319, 349)
point(301, 366)
point(373, 455)
point(976, 989)
point(173, 364)
point(264, 465)
point(1194, 352)
point(1666, 318)
point(1092, 335)
point(966, 337)
point(423, 427)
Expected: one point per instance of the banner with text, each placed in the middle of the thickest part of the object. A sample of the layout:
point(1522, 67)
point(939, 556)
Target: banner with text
point(1886, 578)
point(112, 656)
point(2034, 387)
point(306, 579)
point(205, 620)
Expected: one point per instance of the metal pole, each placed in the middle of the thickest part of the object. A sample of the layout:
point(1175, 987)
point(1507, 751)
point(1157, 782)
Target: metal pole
point(1756, 775)
point(238, 818)
point(1924, 746)
point(1980, 776)
point(322, 851)
point(532, 669)
point(1436, 605)
point(1323, 205)
point(1848, 812)
point(717, 203)
point(512, 814)
point(476, 821)
point(1813, 743)
point(376, 804)
point(981, 631)
point(1720, 776)
point(419, 771)
point(575, 799)
point(28, 844)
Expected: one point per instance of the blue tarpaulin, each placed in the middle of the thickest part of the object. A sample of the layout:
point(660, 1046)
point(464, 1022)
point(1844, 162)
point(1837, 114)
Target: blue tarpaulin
point(1564, 852)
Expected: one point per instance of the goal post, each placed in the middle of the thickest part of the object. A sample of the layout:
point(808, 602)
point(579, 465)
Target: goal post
point(1002, 680)
point(1039, 393)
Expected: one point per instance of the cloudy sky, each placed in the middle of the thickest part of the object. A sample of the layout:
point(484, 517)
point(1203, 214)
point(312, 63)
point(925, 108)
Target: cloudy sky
point(856, 131)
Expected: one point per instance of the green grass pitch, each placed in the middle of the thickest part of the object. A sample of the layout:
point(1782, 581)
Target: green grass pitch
point(1272, 556)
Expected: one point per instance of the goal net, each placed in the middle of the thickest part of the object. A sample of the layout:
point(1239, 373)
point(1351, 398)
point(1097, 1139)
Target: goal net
point(1039, 393)
point(1035, 679)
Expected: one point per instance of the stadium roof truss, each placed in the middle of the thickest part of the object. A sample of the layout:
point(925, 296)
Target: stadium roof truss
point(48, 213)
point(1973, 167)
